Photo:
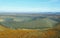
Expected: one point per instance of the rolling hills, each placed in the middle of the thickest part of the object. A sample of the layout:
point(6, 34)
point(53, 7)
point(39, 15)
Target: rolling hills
point(29, 27)
point(36, 23)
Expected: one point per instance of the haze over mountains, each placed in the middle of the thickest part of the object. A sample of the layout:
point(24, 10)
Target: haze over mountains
point(29, 20)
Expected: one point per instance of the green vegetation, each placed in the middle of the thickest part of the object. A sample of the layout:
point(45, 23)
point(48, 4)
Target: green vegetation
point(37, 23)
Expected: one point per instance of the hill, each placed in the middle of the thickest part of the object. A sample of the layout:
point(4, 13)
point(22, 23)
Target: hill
point(2, 28)
point(39, 23)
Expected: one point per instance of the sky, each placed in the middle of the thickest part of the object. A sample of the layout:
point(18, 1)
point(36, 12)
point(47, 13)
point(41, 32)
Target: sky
point(29, 5)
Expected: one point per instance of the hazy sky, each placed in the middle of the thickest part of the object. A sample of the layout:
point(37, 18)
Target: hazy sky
point(29, 5)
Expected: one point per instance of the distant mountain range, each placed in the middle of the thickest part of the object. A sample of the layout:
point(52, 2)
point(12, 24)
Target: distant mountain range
point(14, 13)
